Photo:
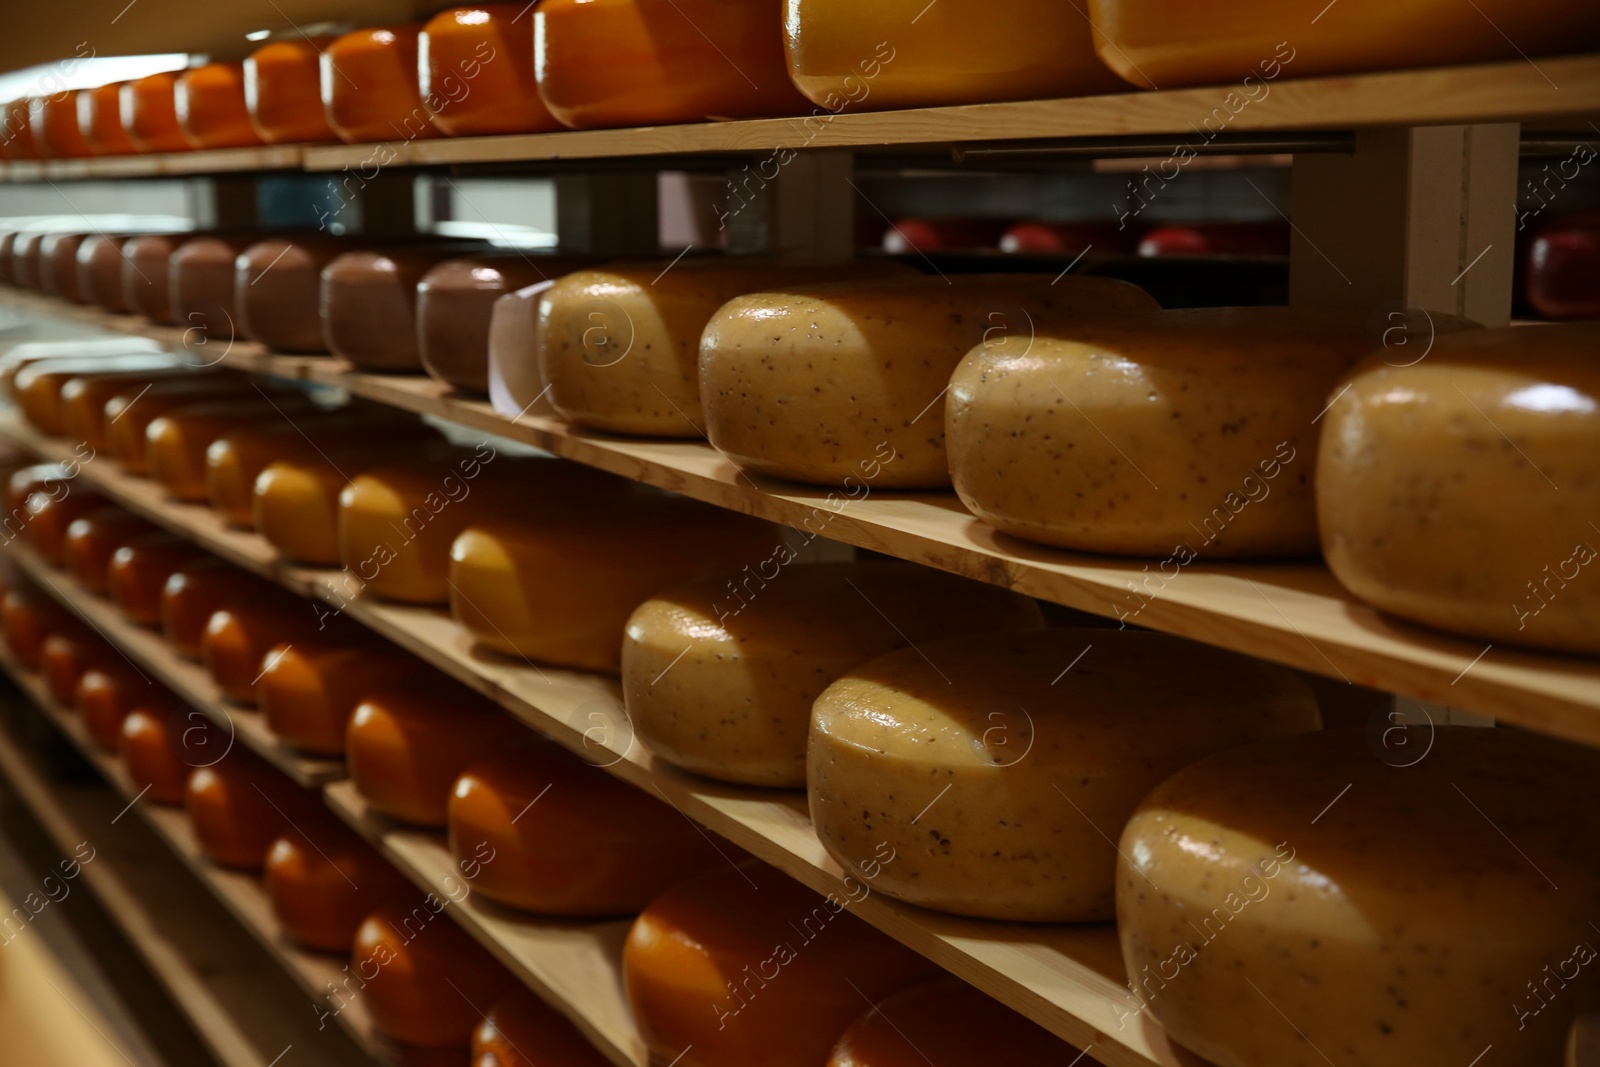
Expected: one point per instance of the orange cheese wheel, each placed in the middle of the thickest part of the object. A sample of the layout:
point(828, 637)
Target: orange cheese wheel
point(84, 398)
point(109, 691)
point(954, 1023)
point(277, 285)
point(161, 746)
point(424, 976)
point(558, 587)
point(240, 804)
point(196, 590)
point(100, 272)
point(128, 415)
point(699, 961)
point(369, 305)
point(47, 529)
point(210, 105)
point(51, 479)
point(370, 86)
point(54, 121)
point(58, 265)
point(150, 113)
point(93, 539)
point(558, 836)
point(100, 119)
point(200, 284)
point(239, 635)
point(66, 654)
point(323, 881)
point(283, 91)
point(407, 744)
point(668, 61)
point(139, 570)
point(30, 617)
point(476, 67)
point(145, 276)
point(310, 689)
point(36, 386)
point(521, 1030)
point(176, 442)
point(17, 141)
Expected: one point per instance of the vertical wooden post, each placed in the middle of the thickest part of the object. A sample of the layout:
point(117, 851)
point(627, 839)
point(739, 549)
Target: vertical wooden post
point(225, 202)
point(608, 213)
point(384, 205)
point(1418, 217)
point(798, 207)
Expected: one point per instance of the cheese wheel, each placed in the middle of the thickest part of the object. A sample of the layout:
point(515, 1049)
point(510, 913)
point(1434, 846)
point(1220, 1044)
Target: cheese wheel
point(100, 119)
point(514, 380)
point(1361, 924)
point(200, 284)
point(559, 587)
point(176, 442)
point(37, 385)
point(1171, 44)
point(277, 286)
point(424, 977)
point(239, 806)
point(128, 415)
point(1474, 439)
point(53, 479)
point(211, 108)
point(455, 302)
point(47, 529)
point(902, 54)
point(239, 635)
point(309, 689)
point(196, 590)
point(8, 241)
point(323, 885)
point(678, 61)
point(18, 141)
point(700, 959)
point(369, 305)
point(145, 285)
point(66, 653)
point(54, 122)
point(109, 691)
point(283, 91)
point(620, 345)
point(549, 833)
point(821, 383)
point(150, 113)
point(1186, 434)
point(1217, 239)
point(370, 86)
point(719, 675)
point(476, 67)
point(100, 272)
point(58, 265)
point(1562, 267)
point(139, 570)
point(520, 1030)
point(407, 743)
point(956, 1024)
point(93, 539)
point(396, 523)
point(236, 459)
point(83, 399)
point(999, 730)
point(25, 258)
point(29, 617)
point(161, 747)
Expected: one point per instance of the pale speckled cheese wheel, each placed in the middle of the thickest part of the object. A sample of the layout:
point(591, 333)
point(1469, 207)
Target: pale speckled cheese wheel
point(719, 675)
point(1385, 916)
point(620, 345)
point(559, 587)
point(998, 767)
point(1187, 434)
point(846, 380)
point(369, 305)
point(1463, 491)
point(176, 442)
point(200, 284)
point(277, 291)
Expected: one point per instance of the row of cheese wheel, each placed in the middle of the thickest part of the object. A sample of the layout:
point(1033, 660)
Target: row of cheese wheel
point(506, 68)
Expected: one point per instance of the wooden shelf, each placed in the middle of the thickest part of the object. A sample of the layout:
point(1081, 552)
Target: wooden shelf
point(574, 966)
point(244, 1011)
point(156, 165)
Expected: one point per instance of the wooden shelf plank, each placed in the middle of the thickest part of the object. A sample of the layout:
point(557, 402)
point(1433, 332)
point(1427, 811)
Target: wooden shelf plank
point(575, 966)
point(157, 165)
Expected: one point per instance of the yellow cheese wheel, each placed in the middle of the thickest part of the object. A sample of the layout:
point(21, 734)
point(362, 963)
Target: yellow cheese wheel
point(1385, 914)
point(719, 675)
point(311, 687)
point(240, 804)
point(957, 1025)
point(37, 385)
point(109, 691)
point(745, 965)
point(162, 746)
point(844, 383)
point(423, 980)
point(521, 1030)
point(139, 570)
point(323, 881)
point(47, 528)
point(84, 399)
point(29, 618)
point(197, 589)
point(176, 442)
point(547, 832)
point(620, 345)
point(239, 635)
point(396, 523)
point(200, 284)
point(408, 742)
point(1461, 490)
point(128, 415)
point(369, 305)
point(559, 587)
point(92, 540)
point(277, 286)
point(994, 768)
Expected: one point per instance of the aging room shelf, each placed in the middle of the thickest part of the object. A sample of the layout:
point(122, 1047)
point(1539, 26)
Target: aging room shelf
point(156, 165)
point(224, 982)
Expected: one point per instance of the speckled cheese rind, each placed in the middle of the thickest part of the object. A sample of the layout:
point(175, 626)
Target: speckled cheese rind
point(719, 675)
point(1000, 767)
point(846, 380)
point(1463, 491)
point(1303, 902)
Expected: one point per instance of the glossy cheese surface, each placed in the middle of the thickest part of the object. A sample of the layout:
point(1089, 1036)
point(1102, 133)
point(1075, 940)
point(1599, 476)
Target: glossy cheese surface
point(408, 742)
point(1492, 437)
point(128, 415)
point(1397, 927)
point(559, 587)
point(66, 653)
point(25, 258)
point(211, 107)
point(520, 1030)
point(100, 272)
point(1172, 44)
point(176, 442)
point(476, 67)
point(196, 590)
point(37, 385)
point(108, 692)
point(846, 56)
point(100, 119)
point(619, 345)
point(150, 114)
point(719, 675)
point(58, 266)
point(239, 805)
point(277, 291)
point(956, 1024)
point(823, 383)
point(513, 352)
point(93, 539)
point(426, 980)
point(52, 479)
point(145, 275)
point(83, 400)
point(54, 122)
point(685, 963)
point(1030, 741)
point(47, 529)
point(323, 881)
point(550, 833)
point(161, 747)
point(18, 141)
point(139, 570)
point(370, 86)
point(369, 305)
point(310, 688)
point(1563, 271)
point(283, 91)
point(239, 635)
point(670, 61)
point(29, 618)
point(200, 285)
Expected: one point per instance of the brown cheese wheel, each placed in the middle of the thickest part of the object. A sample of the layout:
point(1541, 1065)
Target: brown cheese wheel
point(176, 442)
point(108, 692)
point(139, 570)
point(128, 415)
point(145, 277)
point(47, 528)
point(425, 980)
point(197, 589)
point(84, 399)
point(239, 806)
point(100, 272)
point(277, 285)
point(161, 747)
point(29, 618)
point(92, 540)
point(521, 1030)
point(66, 653)
point(369, 305)
point(200, 285)
point(239, 635)
point(323, 885)
point(309, 689)
point(58, 265)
